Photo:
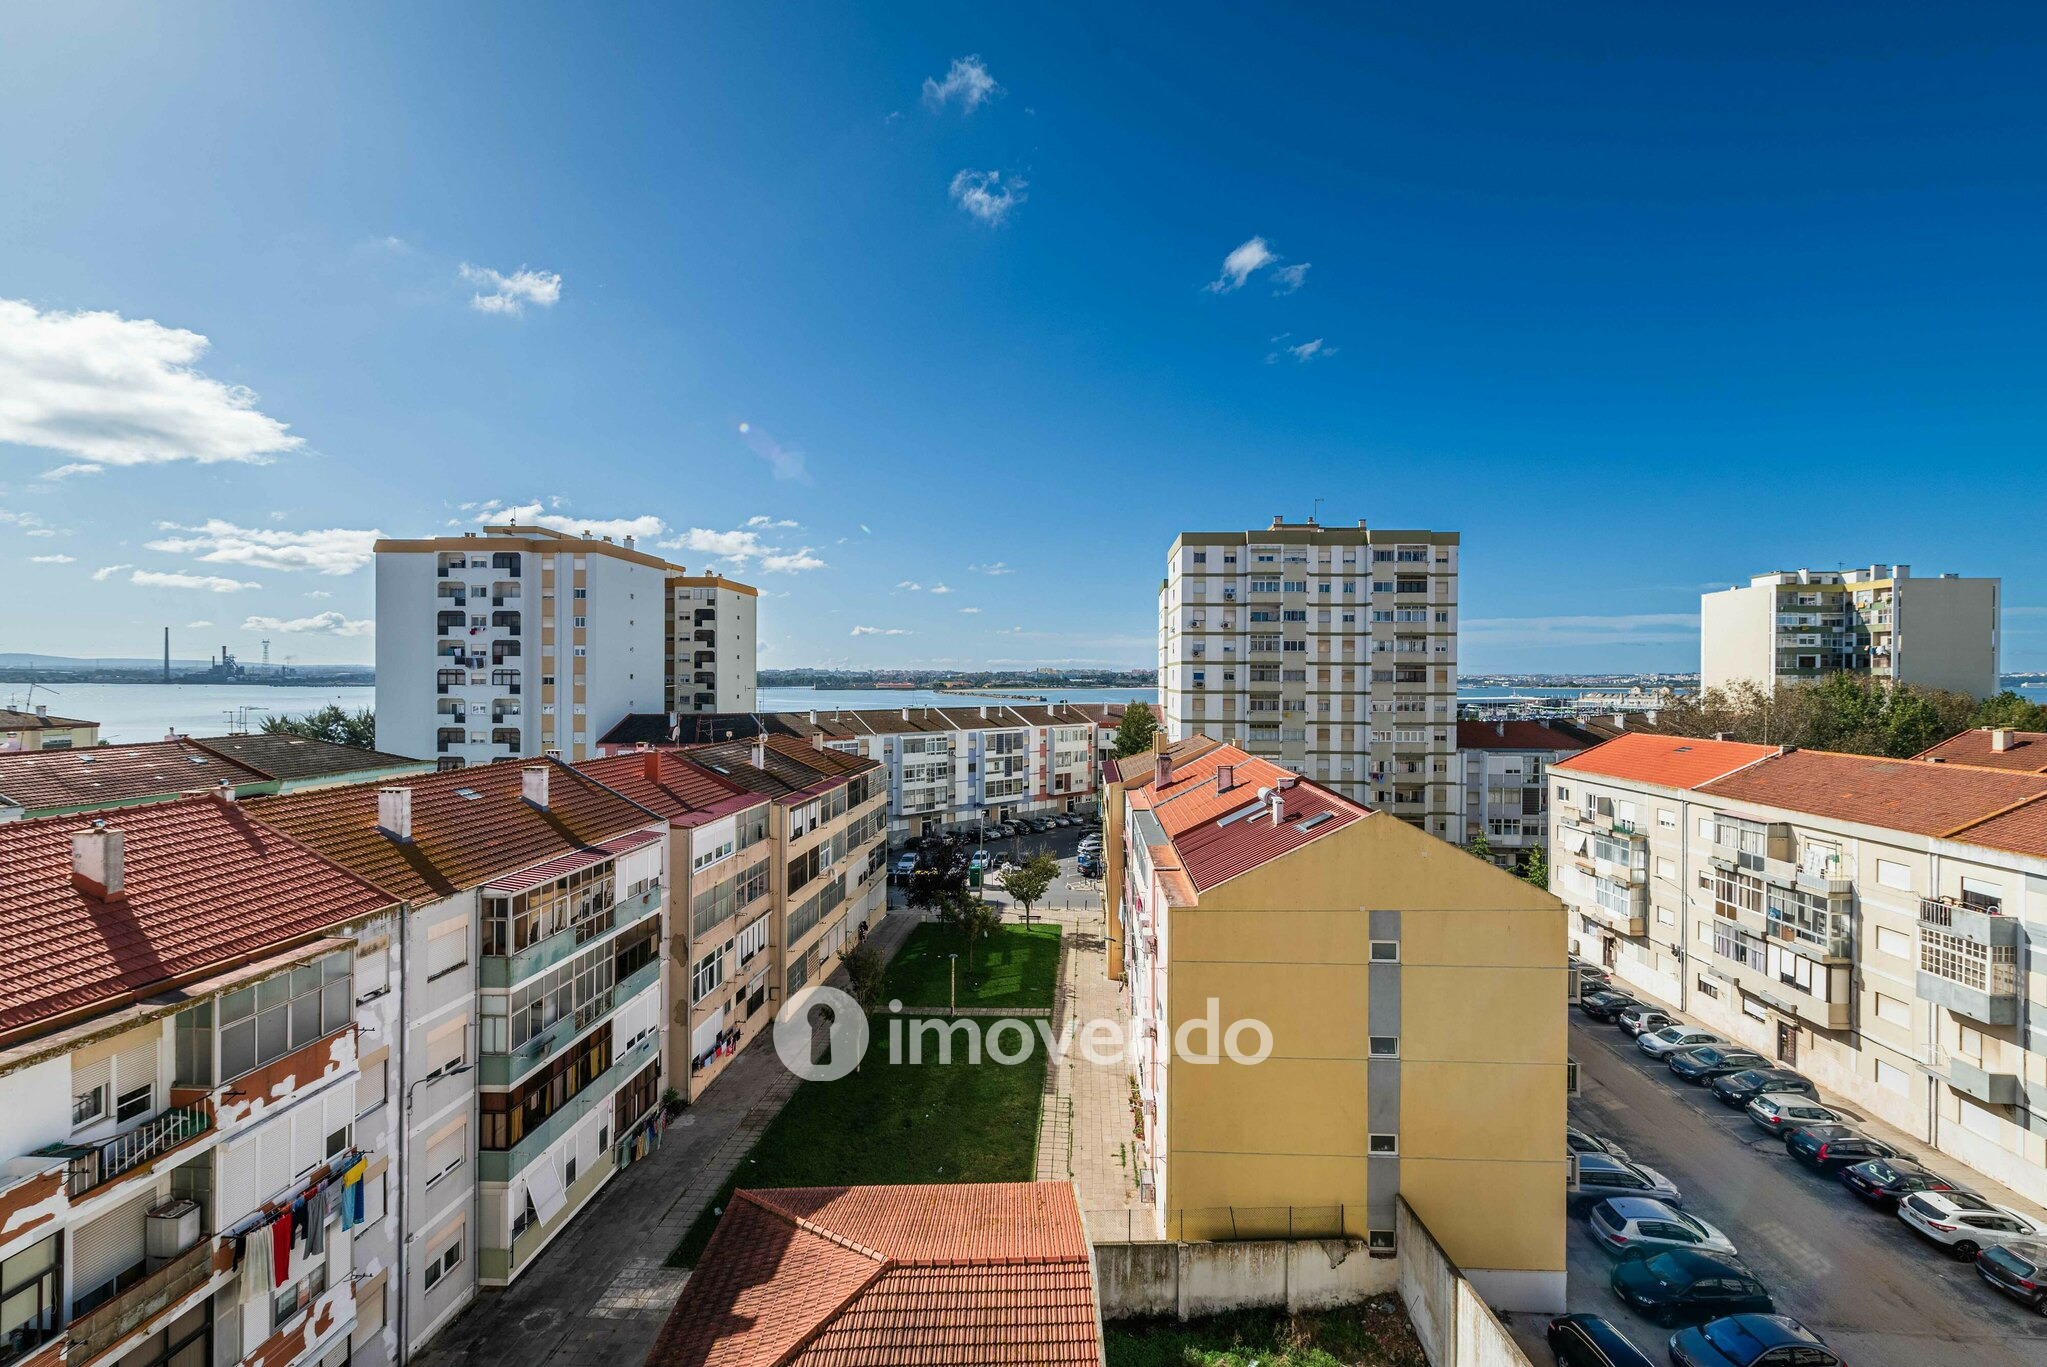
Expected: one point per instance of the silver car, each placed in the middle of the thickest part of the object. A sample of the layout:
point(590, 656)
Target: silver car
point(1782, 1112)
point(1621, 1223)
point(1671, 1038)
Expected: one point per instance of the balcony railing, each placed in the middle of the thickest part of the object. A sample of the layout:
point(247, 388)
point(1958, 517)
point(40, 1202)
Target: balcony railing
point(501, 1165)
point(95, 1165)
point(107, 1323)
point(502, 1070)
point(1944, 912)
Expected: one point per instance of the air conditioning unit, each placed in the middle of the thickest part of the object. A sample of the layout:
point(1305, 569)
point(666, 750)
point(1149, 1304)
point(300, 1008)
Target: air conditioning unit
point(169, 1230)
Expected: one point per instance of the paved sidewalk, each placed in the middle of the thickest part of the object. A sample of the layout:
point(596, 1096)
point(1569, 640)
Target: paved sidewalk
point(599, 1293)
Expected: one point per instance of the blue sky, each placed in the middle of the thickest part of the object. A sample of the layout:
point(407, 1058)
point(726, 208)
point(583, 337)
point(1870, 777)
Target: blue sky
point(1640, 299)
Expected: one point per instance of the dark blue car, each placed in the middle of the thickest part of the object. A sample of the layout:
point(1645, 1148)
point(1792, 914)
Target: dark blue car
point(1751, 1341)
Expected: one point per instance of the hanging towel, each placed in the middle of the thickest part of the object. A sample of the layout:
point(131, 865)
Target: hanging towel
point(280, 1249)
point(256, 1269)
point(300, 1220)
point(353, 1194)
point(316, 1224)
point(355, 1174)
point(344, 1201)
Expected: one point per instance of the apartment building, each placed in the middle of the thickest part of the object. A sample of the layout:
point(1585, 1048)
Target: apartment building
point(722, 941)
point(514, 641)
point(1413, 1000)
point(712, 644)
point(36, 729)
point(533, 970)
point(51, 782)
point(1864, 920)
point(1505, 767)
point(1331, 651)
point(828, 824)
point(195, 1039)
point(1795, 625)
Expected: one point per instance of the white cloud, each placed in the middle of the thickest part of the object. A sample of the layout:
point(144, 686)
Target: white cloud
point(997, 568)
point(982, 194)
point(763, 520)
point(122, 391)
point(192, 626)
point(1241, 264)
point(52, 559)
point(966, 80)
point(1309, 351)
point(791, 562)
point(940, 588)
point(785, 461)
point(334, 550)
point(1287, 279)
point(535, 514)
point(511, 293)
point(76, 467)
point(323, 624)
point(318, 593)
point(212, 583)
point(909, 584)
point(742, 546)
point(880, 631)
point(25, 521)
point(970, 611)
point(106, 572)
point(42, 531)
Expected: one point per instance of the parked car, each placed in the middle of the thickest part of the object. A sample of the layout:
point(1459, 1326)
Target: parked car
point(1707, 1061)
point(1606, 1004)
point(1659, 1043)
point(1590, 1341)
point(1069, 820)
point(1642, 1018)
point(1601, 1175)
point(2019, 1270)
point(1964, 1223)
point(1751, 1341)
point(1687, 1286)
point(1830, 1148)
point(1739, 1089)
point(1778, 1111)
point(1591, 971)
point(1621, 1223)
point(1881, 1181)
point(1579, 1141)
point(979, 862)
point(1089, 866)
point(906, 866)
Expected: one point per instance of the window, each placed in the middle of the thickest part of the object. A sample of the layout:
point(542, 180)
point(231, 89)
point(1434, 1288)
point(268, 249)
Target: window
point(89, 1105)
point(1893, 942)
point(265, 1021)
point(705, 977)
point(582, 622)
point(373, 1087)
point(1892, 1078)
point(449, 1258)
point(582, 594)
point(134, 1103)
point(1385, 1143)
point(447, 947)
point(1385, 1046)
point(29, 1306)
point(1385, 951)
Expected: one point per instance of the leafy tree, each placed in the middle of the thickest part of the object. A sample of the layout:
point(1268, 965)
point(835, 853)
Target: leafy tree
point(2009, 709)
point(1844, 712)
point(1027, 883)
point(1481, 847)
point(972, 916)
point(1134, 734)
point(865, 972)
point(942, 874)
point(1535, 867)
point(332, 723)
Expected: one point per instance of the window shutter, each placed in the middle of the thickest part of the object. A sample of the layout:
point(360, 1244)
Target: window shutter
point(109, 1245)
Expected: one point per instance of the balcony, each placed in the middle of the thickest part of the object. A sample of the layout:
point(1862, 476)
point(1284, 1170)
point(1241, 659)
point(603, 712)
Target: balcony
point(705, 637)
point(506, 970)
point(1993, 1089)
point(106, 1324)
point(1968, 960)
point(507, 622)
point(501, 1165)
point(449, 737)
point(96, 1164)
point(503, 1070)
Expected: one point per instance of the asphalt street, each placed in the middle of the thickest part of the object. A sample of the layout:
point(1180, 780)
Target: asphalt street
point(1857, 1276)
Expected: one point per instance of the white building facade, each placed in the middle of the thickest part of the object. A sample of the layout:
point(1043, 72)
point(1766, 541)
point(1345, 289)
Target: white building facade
point(1505, 791)
point(713, 645)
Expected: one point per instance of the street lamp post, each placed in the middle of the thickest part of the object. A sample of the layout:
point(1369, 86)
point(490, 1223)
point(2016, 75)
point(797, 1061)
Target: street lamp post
point(954, 1009)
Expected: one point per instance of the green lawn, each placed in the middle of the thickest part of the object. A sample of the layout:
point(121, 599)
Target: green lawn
point(1374, 1334)
point(1017, 966)
point(955, 1122)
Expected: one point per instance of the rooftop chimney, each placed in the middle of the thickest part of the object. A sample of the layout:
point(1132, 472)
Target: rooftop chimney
point(394, 812)
point(650, 765)
point(1500, 728)
point(813, 716)
point(2000, 739)
point(225, 791)
point(1163, 763)
point(533, 785)
point(628, 543)
point(97, 862)
point(42, 709)
point(1278, 803)
point(906, 714)
point(1225, 777)
point(760, 748)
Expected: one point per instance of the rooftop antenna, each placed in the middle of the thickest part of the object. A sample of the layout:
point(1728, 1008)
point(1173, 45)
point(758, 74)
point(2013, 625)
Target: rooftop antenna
point(1315, 510)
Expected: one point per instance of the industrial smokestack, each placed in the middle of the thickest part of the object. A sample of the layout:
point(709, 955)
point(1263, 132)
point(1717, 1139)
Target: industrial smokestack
point(166, 654)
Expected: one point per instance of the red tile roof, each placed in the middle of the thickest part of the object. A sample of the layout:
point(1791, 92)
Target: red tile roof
point(1667, 761)
point(468, 826)
point(1517, 735)
point(205, 887)
point(682, 791)
point(1899, 794)
point(2027, 752)
point(1135, 771)
point(39, 780)
point(1215, 830)
point(970, 1274)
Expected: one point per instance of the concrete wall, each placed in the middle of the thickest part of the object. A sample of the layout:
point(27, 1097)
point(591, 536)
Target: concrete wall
point(1187, 1280)
point(1947, 634)
point(1455, 1326)
point(1737, 637)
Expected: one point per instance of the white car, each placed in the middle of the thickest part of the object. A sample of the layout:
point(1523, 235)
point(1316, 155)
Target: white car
point(1782, 1112)
point(1965, 1222)
point(1671, 1038)
point(906, 866)
point(1624, 1222)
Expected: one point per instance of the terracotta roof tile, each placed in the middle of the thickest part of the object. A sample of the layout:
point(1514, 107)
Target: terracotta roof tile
point(204, 886)
point(12, 719)
point(1219, 834)
point(674, 787)
point(1520, 735)
point(1899, 794)
point(1138, 770)
point(903, 1276)
point(1667, 761)
point(2027, 752)
point(39, 780)
point(468, 826)
point(294, 757)
point(2022, 830)
point(789, 767)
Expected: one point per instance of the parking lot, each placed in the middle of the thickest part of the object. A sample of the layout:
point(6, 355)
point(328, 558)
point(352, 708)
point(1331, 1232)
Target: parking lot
point(1855, 1275)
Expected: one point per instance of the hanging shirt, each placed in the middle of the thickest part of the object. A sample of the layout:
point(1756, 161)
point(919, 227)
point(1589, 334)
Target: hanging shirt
point(256, 1265)
point(280, 1249)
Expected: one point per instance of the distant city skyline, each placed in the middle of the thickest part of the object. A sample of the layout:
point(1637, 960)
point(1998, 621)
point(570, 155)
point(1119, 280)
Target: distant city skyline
point(936, 325)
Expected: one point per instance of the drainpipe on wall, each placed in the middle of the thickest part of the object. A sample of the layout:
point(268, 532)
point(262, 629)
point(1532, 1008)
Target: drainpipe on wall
point(402, 1273)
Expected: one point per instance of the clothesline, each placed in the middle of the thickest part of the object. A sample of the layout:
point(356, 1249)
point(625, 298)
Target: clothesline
point(269, 1238)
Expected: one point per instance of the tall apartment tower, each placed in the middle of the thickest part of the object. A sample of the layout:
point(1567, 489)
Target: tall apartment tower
point(514, 641)
point(1794, 625)
point(1329, 650)
point(711, 644)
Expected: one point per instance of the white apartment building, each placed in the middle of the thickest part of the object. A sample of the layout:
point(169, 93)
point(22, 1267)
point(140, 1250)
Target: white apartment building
point(1329, 650)
point(534, 980)
point(1794, 625)
point(1505, 767)
point(712, 645)
point(167, 1093)
point(1865, 920)
point(515, 641)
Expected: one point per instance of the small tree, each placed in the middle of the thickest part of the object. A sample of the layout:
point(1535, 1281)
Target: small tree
point(1027, 884)
point(332, 723)
point(1535, 867)
point(2009, 709)
point(1134, 734)
point(973, 917)
point(1481, 847)
point(866, 971)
